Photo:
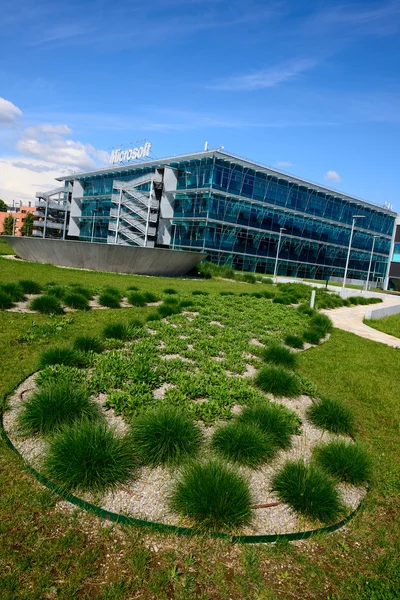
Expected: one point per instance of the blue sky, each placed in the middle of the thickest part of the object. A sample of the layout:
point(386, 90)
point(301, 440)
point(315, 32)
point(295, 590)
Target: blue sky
point(310, 87)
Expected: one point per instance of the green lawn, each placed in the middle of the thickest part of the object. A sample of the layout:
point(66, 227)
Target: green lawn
point(390, 325)
point(48, 552)
point(5, 248)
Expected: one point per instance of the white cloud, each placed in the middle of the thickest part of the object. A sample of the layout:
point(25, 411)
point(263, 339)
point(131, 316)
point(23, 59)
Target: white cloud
point(265, 78)
point(283, 163)
point(48, 144)
point(9, 113)
point(21, 183)
point(332, 176)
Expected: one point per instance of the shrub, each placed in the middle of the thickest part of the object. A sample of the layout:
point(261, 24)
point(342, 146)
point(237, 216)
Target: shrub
point(170, 291)
point(213, 495)
point(331, 415)
point(273, 419)
point(257, 294)
point(5, 301)
point(305, 309)
point(171, 301)
point(13, 291)
point(284, 299)
point(167, 310)
point(80, 289)
point(226, 294)
point(321, 323)
point(61, 356)
point(58, 291)
point(117, 331)
point(165, 436)
point(74, 300)
point(248, 277)
point(113, 291)
point(346, 461)
point(150, 297)
point(54, 404)
point(88, 343)
point(279, 355)
point(312, 336)
point(308, 490)
point(227, 272)
point(267, 280)
point(48, 305)
point(29, 287)
point(199, 293)
point(277, 381)
point(243, 443)
point(88, 456)
point(136, 299)
point(110, 300)
point(269, 295)
point(294, 341)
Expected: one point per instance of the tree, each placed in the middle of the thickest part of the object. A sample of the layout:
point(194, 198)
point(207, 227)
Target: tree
point(8, 225)
point(3, 206)
point(27, 226)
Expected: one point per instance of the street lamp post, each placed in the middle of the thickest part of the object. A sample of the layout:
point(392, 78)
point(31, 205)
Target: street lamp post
point(277, 253)
point(94, 216)
point(370, 261)
point(348, 251)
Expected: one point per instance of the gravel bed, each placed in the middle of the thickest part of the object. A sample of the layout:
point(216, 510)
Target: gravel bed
point(147, 496)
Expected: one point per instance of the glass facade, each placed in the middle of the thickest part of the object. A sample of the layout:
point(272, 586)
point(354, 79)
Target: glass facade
point(234, 210)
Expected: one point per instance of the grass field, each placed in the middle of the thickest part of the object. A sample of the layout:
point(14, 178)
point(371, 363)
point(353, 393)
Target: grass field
point(5, 248)
point(390, 325)
point(49, 552)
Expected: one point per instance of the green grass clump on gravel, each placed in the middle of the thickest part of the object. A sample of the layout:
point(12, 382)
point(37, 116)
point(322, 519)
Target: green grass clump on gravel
point(308, 490)
point(58, 291)
point(313, 336)
point(279, 355)
point(150, 297)
point(109, 289)
point(136, 299)
point(76, 288)
point(53, 405)
point(278, 381)
point(321, 323)
point(110, 300)
point(5, 301)
point(165, 436)
point(61, 356)
point(294, 341)
point(88, 456)
point(29, 287)
point(213, 495)
point(332, 415)
point(274, 420)
point(243, 443)
point(14, 291)
point(88, 343)
point(166, 310)
point(345, 461)
point(47, 305)
point(117, 331)
point(75, 300)
point(170, 291)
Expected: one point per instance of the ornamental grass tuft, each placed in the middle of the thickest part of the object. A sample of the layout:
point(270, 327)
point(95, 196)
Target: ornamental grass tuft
point(345, 461)
point(87, 456)
point(308, 490)
point(170, 291)
point(29, 287)
point(313, 336)
point(332, 415)
point(109, 299)
point(58, 291)
point(279, 355)
point(166, 310)
point(77, 301)
point(278, 381)
point(294, 341)
point(243, 443)
point(321, 323)
point(165, 436)
point(62, 356)
point(117, 331)
point(150, 297)
point(214, 495)
point(76, 288)
point(272, 419)
point(113, 291)
point(47, 305)
point(13, 291)
point(54, 404)
point(136, 299)
point(88, 343)
point(5, 301)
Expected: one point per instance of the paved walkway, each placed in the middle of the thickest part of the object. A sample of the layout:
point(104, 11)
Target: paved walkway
point(351, 319)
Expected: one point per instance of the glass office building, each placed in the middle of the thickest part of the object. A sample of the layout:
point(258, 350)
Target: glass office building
point(231, 208)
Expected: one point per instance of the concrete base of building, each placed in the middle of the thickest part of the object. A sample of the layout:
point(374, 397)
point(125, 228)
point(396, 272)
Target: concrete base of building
point(105, 257)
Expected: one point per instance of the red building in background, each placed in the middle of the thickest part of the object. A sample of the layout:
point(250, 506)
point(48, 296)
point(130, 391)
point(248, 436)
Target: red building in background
point(18, 214)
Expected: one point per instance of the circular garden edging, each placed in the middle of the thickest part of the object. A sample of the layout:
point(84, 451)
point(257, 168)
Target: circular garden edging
point(163, 528)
